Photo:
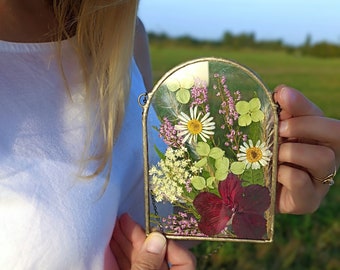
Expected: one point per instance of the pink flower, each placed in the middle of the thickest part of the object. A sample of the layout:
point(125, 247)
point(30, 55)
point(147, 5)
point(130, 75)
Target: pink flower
point(199, 93)
point(169, 134)
point(243, 207)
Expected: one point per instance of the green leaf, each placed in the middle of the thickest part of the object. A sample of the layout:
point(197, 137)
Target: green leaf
point(201, 163)
point(216, 153)
point(203, 149)
point(161, 103)
point(173, 85)
point(257, 116)
point(254, 104)
point(183, 95)
point(252, 177)
point(159, 152)
point(244, 120)
point(198, 182)
point(242, 107)
point(210, 182)
point(222, 163)
point(237, 167)
point(221, 174)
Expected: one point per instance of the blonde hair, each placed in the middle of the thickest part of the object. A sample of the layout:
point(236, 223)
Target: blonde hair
point(104, 34)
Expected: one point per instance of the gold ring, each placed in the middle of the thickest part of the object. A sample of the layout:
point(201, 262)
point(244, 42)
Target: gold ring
point(326, 180)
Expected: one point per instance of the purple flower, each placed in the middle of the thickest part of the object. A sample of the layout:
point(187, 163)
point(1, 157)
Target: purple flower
point(199, 93)
point(169, 134)
point(181, 224)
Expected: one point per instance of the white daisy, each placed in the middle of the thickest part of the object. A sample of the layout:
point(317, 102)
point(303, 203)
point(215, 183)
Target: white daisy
point(193, 125)
point(254, 156)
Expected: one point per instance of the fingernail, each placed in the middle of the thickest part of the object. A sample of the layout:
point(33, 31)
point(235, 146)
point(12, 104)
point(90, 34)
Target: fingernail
point(283, 127)
point(288, 93)
point(155, 243)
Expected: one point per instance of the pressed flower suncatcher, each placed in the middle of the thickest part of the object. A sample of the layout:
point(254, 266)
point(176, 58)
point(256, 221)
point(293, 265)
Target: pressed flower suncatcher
point(210, 150)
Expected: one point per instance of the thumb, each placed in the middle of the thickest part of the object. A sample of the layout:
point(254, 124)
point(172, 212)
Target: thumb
point(293, 103)
point(152, 253)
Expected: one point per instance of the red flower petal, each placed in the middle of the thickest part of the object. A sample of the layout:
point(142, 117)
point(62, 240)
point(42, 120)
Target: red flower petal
point(249, 226)
point(254, 199)
point(214, 213)
point(230, 188)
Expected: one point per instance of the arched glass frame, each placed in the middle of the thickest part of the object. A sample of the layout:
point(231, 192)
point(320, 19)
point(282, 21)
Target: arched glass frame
point(210, 150)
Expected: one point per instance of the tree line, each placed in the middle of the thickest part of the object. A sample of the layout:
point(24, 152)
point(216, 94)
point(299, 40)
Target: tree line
point(248, 40)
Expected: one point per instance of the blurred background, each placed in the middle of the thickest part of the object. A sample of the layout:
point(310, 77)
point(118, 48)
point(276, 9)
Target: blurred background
point(288, 20)
point(285, 42)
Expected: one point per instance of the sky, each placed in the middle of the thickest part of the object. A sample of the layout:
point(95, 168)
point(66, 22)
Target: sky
point(288, 20)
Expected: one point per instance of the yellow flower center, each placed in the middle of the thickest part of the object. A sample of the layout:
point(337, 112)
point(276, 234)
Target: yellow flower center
point(195, 126)
point(254, 154)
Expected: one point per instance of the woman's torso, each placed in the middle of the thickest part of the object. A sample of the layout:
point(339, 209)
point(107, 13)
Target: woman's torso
point(49, 217)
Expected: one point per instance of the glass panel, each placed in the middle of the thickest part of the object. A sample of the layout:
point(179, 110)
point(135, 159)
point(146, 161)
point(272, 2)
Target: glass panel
point(210, 141)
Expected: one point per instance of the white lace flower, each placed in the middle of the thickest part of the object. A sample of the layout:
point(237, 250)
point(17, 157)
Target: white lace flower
point(254, 156)
point(194, 125)
point(170, 175)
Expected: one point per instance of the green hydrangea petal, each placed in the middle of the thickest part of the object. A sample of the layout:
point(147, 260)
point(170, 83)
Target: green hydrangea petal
point(254, 104)
point(216, 153)
point(198, 182)
point(221, 174)
point(210, 182)
point(222, 163)
point(203, 149)
point(237, 167)
point(183, 96)
point(257, 116)
point(173, 85)
point(242, 107)
point(201, 163)
point(244, 120)
point(187, 83)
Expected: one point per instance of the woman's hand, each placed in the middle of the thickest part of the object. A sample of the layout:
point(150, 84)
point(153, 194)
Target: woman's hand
point(309, 149)
point(134, 251)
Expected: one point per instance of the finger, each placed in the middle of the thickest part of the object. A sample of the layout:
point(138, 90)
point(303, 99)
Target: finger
point(179, 257)
point(121, 247)
point(297, 193)
point(132, 231)
point(293, 103)
point(122, 261)
point(120, 237)
point(322, 129)
point(318, 160)
point(152, 253)
point(129, 236)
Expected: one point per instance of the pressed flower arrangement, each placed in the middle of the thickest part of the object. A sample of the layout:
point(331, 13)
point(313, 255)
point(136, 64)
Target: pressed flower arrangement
point(210, 144)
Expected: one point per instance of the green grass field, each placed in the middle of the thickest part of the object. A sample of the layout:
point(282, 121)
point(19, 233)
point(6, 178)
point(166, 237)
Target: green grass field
point(300, 242)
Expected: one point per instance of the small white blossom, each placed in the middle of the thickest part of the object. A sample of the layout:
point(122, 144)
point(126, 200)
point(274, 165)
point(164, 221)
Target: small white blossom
point(192, 126)
point(254, 156)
